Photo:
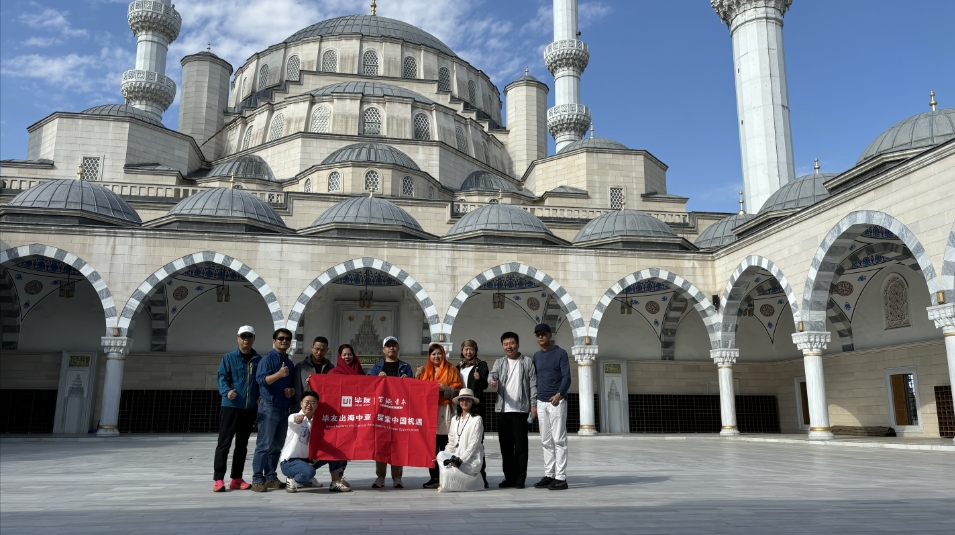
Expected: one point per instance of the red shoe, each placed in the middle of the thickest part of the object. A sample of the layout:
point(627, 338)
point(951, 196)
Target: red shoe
point(239, 484)
point(218, 486)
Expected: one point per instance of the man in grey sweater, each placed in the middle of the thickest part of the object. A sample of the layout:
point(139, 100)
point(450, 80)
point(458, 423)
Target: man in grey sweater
point(515, 378)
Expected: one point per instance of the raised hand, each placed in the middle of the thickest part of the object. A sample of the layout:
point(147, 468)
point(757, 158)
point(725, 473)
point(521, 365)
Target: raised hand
point(289, 392)
point(299, 418)
point(283, 372)
point(477, 375)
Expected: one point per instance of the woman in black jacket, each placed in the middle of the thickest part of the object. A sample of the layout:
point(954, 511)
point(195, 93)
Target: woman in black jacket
point(474, 374)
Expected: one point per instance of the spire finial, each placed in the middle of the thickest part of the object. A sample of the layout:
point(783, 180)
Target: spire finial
point(816, 167)
point(209, 47)
point(526, 70)
point(79, 172)
point(371, 192)
point(500, 195)
point(932, 102)
point(591, 130)
point(232, 180)
point(623, 201)
point(374, 6)
point(741, 210)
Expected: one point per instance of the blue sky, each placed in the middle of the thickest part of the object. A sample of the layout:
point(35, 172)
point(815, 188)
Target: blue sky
point(660, 76)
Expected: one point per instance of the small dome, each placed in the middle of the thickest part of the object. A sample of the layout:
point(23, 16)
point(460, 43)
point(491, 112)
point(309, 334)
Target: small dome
point(371, 153)
point(371, 26)
point(124, 110)
point(721, 233)
point(804, 191)
point(227, 203)
point(624, 224)
point(484, 181)
point(501, 218)
point(248, 166)
point(368, 211)
point(594, 143)
point(371, 89)
point(82, 195)
point(920, 131)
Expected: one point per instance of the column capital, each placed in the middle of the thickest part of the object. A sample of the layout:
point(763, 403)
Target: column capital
point(812, 342)
point(724, 356)
point(729, 9)
point(116, 347)
point(943, 316)
point(584, 354)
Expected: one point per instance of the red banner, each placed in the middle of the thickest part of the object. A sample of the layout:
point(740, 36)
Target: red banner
point(385, 419)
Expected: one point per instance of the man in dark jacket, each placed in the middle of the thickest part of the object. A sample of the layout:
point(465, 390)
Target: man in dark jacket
point(240, 396)
point(312, 363)
point(276, 388)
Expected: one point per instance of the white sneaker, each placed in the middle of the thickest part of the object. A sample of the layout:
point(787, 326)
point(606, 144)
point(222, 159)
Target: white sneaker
point(344, 482)
point(314, 483)
point(338, 487)
point(290, 485)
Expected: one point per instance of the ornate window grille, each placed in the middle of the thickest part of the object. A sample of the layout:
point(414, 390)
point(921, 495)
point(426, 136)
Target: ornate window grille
point(422, 127)
point(334, 181)
point(308, 185)
point(895, 303)
point(330, 61)
point(369, 63)
point(91, 167)
point(372, 181)
point(409, 68)
point(278, 125)
point(492, 200)
point(616, 198)
point(472, 92)
point(263, 77)
point(444, 79)
point(431, 192)
point(407, 186)
point(371, 122)
point(461, 139)
point(292, 70)
point(247, 139)
point(320, 120)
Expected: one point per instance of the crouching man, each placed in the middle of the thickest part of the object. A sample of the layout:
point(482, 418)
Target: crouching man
point(294, 462)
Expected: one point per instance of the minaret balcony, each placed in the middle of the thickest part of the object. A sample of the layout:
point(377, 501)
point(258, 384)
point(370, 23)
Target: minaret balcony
point(566, 119)
point(150, 87)
point(567, 54)
point(156, 17)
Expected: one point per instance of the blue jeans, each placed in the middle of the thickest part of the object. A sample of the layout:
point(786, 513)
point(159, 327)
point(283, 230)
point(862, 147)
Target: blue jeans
point(302, 471)
point(273, 426)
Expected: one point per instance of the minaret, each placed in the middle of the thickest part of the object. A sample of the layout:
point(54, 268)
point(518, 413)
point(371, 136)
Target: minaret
point(155, 24)
point(566, 58)
point(203, 99)
point(762, 97)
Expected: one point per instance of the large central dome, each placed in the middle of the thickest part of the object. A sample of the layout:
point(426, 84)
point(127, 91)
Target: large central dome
point(371, 26)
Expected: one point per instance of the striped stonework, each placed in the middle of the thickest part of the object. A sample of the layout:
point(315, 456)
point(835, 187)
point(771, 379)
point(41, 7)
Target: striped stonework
point(671, 320)
point(681, 285)
point(567, 303)
point(834, 248)
point(140, 296)
point(738, 287)
point(948, 268)
point(106, 298)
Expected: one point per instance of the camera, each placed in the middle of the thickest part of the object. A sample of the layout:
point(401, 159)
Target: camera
point(454, 461)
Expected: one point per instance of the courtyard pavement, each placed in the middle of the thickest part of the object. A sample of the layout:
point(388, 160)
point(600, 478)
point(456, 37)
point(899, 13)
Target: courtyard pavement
point(132, 485)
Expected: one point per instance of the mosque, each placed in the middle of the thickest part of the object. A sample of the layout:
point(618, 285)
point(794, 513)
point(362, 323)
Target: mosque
point(360, 180)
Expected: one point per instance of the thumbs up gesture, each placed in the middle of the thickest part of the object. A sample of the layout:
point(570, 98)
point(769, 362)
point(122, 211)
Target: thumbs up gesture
point(283, 372)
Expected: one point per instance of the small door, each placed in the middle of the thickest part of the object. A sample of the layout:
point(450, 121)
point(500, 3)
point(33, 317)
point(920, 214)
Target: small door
point(804, 397)
point(900, 400)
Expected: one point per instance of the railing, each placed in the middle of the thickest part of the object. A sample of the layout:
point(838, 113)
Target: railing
point(682, 219)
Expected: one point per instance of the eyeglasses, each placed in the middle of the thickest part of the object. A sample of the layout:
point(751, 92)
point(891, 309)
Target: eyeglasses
point(246, 336)
point(284, 339)
point(310, 403)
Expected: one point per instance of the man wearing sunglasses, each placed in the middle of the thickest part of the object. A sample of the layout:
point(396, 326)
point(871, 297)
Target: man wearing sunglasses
point(277, 390)
point(240, 396)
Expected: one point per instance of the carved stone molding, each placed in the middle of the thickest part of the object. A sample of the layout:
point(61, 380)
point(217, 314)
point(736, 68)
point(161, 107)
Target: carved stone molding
point(568, 119)
point(724, 356)
point(812, 342)
point(943, 316)
point(149, 88)
point(728, 9)
point(116, 347)
point(584, 354)
point(150, 16)
point(567, 54)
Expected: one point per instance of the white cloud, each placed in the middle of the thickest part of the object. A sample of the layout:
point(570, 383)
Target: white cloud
point(51, 19)
point(88, 76)
point(41, 42)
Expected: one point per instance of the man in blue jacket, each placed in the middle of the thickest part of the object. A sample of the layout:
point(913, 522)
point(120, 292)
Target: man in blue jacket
point(240, 396)
point(277, 391)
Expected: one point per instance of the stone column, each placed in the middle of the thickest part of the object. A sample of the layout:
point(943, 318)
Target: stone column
point(811, 343)
point(944, 318)
point(585, 357)
point(116, 349)
point(724, 359)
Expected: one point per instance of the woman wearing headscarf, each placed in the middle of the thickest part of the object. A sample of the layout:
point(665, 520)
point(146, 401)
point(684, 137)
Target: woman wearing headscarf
point(347, 364)
point(448, 378)
point(474, 375)
point(464, 454)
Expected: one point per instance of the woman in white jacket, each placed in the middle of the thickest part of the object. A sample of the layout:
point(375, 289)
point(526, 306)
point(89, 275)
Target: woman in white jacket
point(460, 462)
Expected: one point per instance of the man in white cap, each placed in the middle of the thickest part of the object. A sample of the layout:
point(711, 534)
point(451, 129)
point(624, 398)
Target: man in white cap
point(390, 367)
point(240, 398)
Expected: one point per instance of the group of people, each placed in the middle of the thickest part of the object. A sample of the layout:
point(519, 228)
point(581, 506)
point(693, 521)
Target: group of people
point(266, 391)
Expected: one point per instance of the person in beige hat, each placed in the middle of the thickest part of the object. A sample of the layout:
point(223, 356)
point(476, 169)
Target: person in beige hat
point(460, 462)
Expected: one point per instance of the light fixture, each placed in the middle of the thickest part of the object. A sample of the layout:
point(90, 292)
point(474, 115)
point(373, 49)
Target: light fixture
point(222, 291)
point(68, 290)
point(365, 297)
point(498, 300)
point(626, 305)
point(940, 295)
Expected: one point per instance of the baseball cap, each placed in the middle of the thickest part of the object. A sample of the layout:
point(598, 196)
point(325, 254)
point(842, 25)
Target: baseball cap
point(388, 339)
point(246, 329)
point(542, 328)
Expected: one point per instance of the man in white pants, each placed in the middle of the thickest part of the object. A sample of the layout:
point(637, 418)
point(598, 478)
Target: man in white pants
point(553, 381)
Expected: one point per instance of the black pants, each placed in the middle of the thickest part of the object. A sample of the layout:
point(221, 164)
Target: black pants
point(512, 432)
point(441, 442)
point(233, 423)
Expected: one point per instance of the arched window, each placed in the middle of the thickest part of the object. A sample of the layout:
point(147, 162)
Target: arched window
point(472, 93)
point(247, 139)
point(461, 139)
point(409, 68)
point(334, 181)
point(372, 181)
point(492, 200)
point(407, 186)
point(278, 124)
point(330, 61)
point(895, 302)
point(308, 185)
point(371, 122)
point(320, 120)
point(444, 79)
point(292, 69)
point(263, 77)
point(369, 64)
point(422, 127)
point(431, 192)
point(233, 140)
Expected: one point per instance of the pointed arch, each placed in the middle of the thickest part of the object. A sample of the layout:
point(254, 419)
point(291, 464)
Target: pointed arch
point(948, 268)
point(567, 303)
point(736, 290)
point(137, 300)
